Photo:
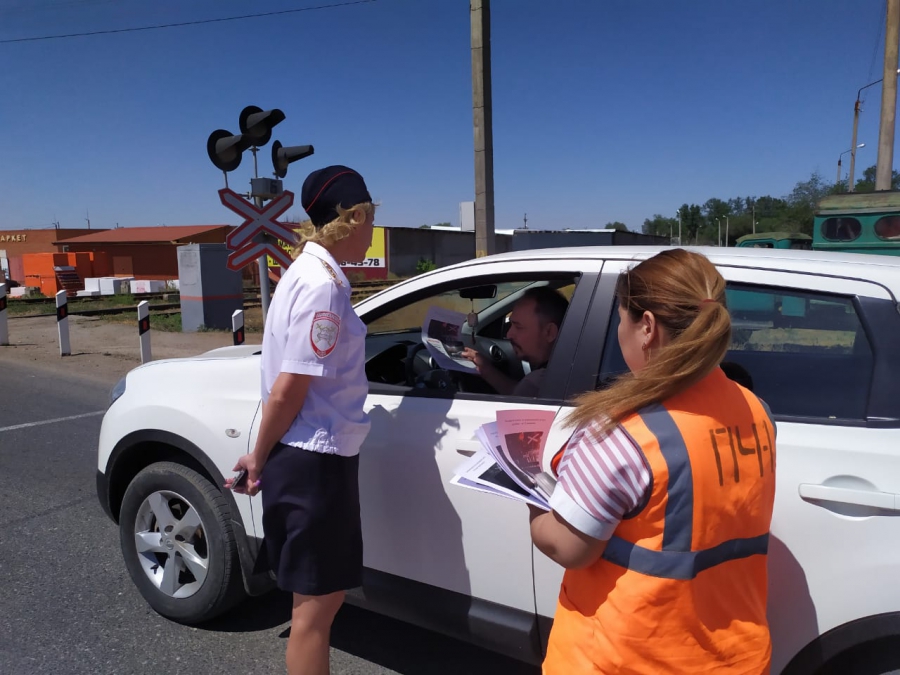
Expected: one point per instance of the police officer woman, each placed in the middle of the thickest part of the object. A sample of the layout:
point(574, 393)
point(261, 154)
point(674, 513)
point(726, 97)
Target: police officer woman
point(664, 497)
point(306, 459)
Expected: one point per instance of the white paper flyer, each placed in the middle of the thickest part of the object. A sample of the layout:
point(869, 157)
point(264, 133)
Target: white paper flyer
point(442, 335)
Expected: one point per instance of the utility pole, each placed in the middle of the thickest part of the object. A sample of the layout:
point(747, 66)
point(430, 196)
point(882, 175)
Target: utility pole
point(679, 227)
point(884, 168)
point(480, 11)
point(753, 217)
point(852, 146)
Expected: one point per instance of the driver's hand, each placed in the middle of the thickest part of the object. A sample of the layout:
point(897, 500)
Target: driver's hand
point(475, 357)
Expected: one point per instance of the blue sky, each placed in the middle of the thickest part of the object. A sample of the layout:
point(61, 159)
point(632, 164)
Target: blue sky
point(603, 109)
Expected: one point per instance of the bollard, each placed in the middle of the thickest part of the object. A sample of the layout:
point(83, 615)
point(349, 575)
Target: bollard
point(62, 323)
point(143, 310)
point(237, 326)
point(4, 323)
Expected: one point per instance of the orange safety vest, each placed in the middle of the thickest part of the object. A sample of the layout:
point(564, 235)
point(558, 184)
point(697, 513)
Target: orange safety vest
point(681, 586)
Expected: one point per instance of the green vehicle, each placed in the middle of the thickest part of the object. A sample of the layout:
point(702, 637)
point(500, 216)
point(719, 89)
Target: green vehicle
point(854, 222)
point(776, 240)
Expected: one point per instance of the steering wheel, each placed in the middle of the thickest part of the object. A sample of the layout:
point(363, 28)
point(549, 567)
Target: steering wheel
point(410, 362)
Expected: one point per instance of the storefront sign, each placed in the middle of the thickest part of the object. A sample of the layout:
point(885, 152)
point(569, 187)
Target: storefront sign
point(18, 238)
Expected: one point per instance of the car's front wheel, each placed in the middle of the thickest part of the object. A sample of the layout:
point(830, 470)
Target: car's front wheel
point(178, 545)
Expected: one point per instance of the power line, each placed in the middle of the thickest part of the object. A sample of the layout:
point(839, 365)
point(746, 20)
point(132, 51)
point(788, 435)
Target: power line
point(878, 42)
point(187, 23)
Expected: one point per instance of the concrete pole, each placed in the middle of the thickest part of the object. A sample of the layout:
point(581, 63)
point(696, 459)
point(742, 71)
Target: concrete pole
point(480, 11)
point(726, 230)
point(4, 321)
point(852, 146)
point(885, 165)
point(679, 227)
point(62, 323)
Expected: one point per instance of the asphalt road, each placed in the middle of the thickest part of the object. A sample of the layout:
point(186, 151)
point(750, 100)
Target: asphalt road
point(67, 604)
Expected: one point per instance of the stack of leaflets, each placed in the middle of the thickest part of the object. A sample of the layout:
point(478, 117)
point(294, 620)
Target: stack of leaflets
point(509, 464)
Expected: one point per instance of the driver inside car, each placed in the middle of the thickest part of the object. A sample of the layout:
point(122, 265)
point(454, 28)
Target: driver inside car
point(533, 328)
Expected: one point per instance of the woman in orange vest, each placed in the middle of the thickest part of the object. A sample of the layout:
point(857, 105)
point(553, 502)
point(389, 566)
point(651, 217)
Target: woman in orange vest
point(664, 497)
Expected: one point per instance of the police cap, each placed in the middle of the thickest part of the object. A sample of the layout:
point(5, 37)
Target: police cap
point(326, 189)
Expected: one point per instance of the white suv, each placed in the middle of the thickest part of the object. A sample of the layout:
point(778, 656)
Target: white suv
point(817, 333)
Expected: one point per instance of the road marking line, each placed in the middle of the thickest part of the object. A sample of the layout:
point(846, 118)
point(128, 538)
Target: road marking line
point(58, 419)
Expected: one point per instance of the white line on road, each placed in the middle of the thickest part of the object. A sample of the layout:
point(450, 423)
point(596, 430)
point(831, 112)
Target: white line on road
point(54, 421)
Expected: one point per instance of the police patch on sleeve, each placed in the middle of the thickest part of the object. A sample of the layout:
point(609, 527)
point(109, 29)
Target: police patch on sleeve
point(324, 333)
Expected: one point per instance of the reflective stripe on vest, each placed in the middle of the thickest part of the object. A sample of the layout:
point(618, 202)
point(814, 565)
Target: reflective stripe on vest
point(677, 560)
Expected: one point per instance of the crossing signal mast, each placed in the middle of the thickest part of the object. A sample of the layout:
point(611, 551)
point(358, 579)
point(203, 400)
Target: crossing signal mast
point(225, 151)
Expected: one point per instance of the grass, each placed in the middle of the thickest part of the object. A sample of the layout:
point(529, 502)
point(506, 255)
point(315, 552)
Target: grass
point(170, 321)
point(17, 308)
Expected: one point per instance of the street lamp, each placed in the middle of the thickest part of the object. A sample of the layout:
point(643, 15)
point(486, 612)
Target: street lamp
point(850, 179)
point(853, 145)
point(679, 226)
point(720, 230)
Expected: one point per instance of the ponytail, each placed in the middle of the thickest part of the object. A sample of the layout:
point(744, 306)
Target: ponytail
point(686, 295)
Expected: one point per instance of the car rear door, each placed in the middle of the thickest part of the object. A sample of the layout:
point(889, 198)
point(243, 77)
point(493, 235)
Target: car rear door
point(819, 351)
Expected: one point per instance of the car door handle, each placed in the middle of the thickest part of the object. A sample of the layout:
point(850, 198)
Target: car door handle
point(468, 448)
point(872, 498)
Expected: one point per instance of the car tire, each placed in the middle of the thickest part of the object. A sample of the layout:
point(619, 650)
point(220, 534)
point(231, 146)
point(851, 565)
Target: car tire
point(178, 544)
point(878, 657)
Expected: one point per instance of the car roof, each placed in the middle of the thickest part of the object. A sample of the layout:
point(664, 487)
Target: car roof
point(881, 269)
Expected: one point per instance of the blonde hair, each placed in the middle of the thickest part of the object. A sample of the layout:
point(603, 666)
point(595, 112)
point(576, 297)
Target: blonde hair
point(686, 294)
point(337, 229)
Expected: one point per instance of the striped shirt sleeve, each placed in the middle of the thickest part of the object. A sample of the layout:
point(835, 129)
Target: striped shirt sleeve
point(601, 478)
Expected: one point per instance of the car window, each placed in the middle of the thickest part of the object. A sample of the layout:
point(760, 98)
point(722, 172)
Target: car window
point(806, 354)
point(397, 356)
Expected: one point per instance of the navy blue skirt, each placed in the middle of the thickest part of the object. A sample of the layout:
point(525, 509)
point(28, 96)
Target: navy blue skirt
point(313, 534)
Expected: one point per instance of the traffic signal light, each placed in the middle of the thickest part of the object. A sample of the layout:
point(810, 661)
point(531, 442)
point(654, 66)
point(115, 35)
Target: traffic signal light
point(282, 156)
point(256, 124)
point(225, 149)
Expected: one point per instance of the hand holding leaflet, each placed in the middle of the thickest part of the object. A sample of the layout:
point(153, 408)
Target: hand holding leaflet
point(442, 335)
point(510, 463)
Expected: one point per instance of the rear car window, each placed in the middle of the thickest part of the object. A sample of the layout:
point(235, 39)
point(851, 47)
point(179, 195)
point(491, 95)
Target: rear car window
point(806, 354)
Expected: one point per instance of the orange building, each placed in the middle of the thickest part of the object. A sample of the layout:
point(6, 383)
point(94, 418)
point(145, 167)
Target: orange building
point(16, 243)
point(144, 252)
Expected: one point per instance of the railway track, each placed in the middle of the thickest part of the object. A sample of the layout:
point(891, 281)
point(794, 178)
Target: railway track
point(77, 307)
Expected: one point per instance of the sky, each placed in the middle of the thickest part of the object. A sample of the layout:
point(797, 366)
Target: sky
point(603, 110)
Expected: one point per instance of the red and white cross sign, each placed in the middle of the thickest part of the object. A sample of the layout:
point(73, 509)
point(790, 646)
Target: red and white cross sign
point(253, 251)
point(244, 241)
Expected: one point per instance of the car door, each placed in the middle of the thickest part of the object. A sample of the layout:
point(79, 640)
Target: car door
point(817, 355)
point(418, 527)
point(810, 344)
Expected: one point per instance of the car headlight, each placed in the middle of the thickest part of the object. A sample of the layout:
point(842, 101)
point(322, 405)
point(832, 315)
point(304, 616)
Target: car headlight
point(117, 391)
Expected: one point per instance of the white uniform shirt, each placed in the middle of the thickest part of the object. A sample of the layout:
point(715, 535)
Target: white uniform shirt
point(311, 329)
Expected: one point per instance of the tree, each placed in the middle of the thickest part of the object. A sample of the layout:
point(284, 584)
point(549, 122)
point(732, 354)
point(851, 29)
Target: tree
point(616, 225)
point(661, 226)
point(803, 201)
point(867, 182)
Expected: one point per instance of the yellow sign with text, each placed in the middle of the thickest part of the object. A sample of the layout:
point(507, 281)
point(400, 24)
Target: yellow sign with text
point(375, 255)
